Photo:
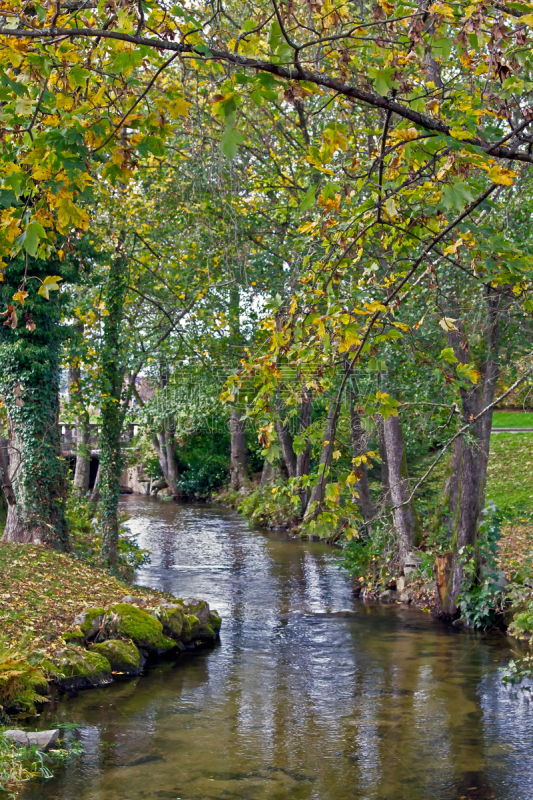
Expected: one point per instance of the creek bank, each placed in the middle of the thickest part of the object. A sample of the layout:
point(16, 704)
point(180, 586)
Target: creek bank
point(71, 625)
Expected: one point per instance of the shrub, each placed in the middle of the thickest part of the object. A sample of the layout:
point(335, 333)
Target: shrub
point(269, 507)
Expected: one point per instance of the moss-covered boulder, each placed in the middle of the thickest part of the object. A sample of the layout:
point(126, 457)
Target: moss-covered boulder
point(171, 617)
point(190, 624)
point(199, 608)
point(130, 622)
point(90, 622)
point(123, 655)
point(215, 620)
point(76, 668)
point(74, 637)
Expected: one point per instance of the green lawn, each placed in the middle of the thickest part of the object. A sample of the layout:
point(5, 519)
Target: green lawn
point(510, 472)
point(512, 419)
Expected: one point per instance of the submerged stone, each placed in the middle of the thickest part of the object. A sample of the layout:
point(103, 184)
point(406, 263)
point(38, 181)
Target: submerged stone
point(122, 655)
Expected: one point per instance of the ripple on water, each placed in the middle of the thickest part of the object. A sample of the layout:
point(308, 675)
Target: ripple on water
point(309, 694)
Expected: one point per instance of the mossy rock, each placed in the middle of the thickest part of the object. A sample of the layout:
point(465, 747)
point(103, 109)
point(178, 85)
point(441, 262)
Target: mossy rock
point(122, 654)
point(75, 637)
point(190, 624)
point(142, 628)
point(215, 620)
point(170, 616)
point(172, 620)
point(199, 608)
point(77, 668)
point(90, 622)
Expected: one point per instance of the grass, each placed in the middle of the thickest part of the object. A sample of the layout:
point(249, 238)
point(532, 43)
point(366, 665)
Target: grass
point(18, 765)
point(41, 591)
point(509, 478)
point(513, 419)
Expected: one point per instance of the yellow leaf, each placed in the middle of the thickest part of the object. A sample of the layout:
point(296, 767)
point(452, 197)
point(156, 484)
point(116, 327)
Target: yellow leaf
point(179, 108)
point(52, 281)
point(527, 19)
point(503, 176)
point(459, 133)
point(453, 248)
point(390, 207)
point(446, 324)
point(20, 297)
point(405, 135)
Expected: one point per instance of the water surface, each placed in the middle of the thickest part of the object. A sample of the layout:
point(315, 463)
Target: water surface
point(309, 695)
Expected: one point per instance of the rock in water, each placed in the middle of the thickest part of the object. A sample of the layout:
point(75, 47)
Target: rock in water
point(44, 740)
point(123, 656)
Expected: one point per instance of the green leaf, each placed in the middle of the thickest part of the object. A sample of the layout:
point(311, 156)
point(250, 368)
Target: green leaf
point(448, 355)
point(309, 199)
point(151, 144)
point(457, 196)
point(231, 139)
point(33, 233)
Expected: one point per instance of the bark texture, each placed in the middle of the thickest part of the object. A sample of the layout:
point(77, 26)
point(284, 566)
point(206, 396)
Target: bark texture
point(239, 478)
point(464, 490)
point(303, 459)
point(403, 510)
point(359, 446)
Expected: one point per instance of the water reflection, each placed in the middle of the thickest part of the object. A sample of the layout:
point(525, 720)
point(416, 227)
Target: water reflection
point(310, 694)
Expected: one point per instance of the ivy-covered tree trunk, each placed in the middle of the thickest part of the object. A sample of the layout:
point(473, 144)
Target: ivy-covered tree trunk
point(83, 434)
point(29, 381)
point(112, 412)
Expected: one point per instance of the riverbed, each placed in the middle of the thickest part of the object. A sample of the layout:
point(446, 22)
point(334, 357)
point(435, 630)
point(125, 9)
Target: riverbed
point(310, 694)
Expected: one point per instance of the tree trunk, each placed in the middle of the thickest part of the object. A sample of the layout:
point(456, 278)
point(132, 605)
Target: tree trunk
point(111, 462)
point(403, 511)
point(466, 483)
point(83, 434)
point(7, 486)
point(385, 482)
point(165, 446)
point(29, 381)
point(317, 493)
point(238, 457)
point(285, 438)
point(359, 443)
point(303, 459)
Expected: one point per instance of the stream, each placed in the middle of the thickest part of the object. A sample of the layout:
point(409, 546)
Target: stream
point(310, 694)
